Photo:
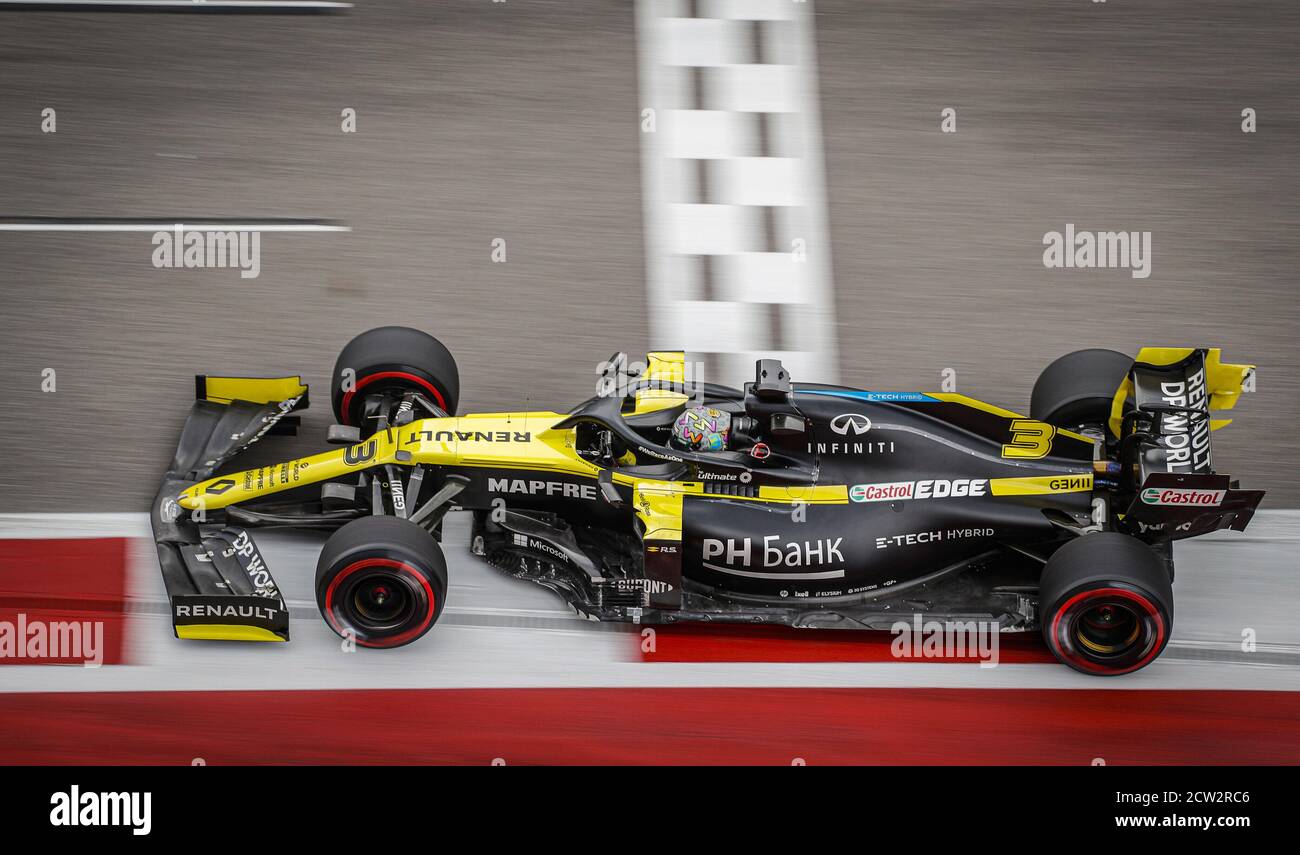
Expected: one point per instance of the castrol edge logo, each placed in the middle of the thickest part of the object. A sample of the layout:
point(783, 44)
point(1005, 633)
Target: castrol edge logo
point(1182, 496)
point(932, 489)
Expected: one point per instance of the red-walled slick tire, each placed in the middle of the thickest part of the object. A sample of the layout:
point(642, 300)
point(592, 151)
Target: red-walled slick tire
point(1107, 604)
point(381, 581)
point(396, 359)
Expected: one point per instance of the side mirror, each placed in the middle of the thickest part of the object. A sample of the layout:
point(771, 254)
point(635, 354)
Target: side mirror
point(614, 375)
point(342, 435)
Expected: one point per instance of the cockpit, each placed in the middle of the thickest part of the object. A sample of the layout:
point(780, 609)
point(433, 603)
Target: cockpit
point(690, 430)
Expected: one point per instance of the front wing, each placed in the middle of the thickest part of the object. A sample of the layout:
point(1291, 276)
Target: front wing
point(217, 583)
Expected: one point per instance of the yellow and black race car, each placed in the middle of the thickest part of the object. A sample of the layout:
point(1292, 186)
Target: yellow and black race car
point(664, 499)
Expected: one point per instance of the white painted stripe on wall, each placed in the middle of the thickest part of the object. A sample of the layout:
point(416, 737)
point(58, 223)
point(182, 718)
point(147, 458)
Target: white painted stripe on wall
point(711, 100)
point(72, 525)
point(162, 227)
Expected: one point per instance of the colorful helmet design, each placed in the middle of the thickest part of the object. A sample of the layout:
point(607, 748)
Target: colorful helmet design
point(702, 429)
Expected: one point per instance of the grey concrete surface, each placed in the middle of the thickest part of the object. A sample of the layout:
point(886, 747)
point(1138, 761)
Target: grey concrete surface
point(519, 120)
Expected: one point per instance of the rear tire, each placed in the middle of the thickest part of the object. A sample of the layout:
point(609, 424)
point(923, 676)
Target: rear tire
point(1078, 388)
point(1106, 603)
point(399, 359)
point(381, 581)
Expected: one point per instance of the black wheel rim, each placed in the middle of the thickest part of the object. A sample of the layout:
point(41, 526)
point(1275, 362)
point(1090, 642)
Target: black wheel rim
point(1111, 630)
point(381, 601)
point(379, 604)
point(1108, 629)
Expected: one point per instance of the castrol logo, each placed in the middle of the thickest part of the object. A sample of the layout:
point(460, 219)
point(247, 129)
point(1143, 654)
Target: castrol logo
point(1182, 496)
point(936, 488)
point(882, 492)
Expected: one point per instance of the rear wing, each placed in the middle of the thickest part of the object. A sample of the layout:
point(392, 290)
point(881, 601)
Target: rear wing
point(1171, 394)
point(217, 583)
point(1164, 414)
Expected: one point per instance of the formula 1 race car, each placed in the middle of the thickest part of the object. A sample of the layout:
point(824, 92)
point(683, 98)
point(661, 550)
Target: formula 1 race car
point(665, 500)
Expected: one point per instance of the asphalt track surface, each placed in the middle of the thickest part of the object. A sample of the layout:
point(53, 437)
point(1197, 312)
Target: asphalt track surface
point(521, 121)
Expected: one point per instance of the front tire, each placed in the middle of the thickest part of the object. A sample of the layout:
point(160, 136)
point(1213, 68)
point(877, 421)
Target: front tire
point(381, 581)
point(1106, 603)
point(392, 359)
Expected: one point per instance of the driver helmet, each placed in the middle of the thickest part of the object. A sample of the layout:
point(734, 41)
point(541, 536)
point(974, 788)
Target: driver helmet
point(702, 429)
